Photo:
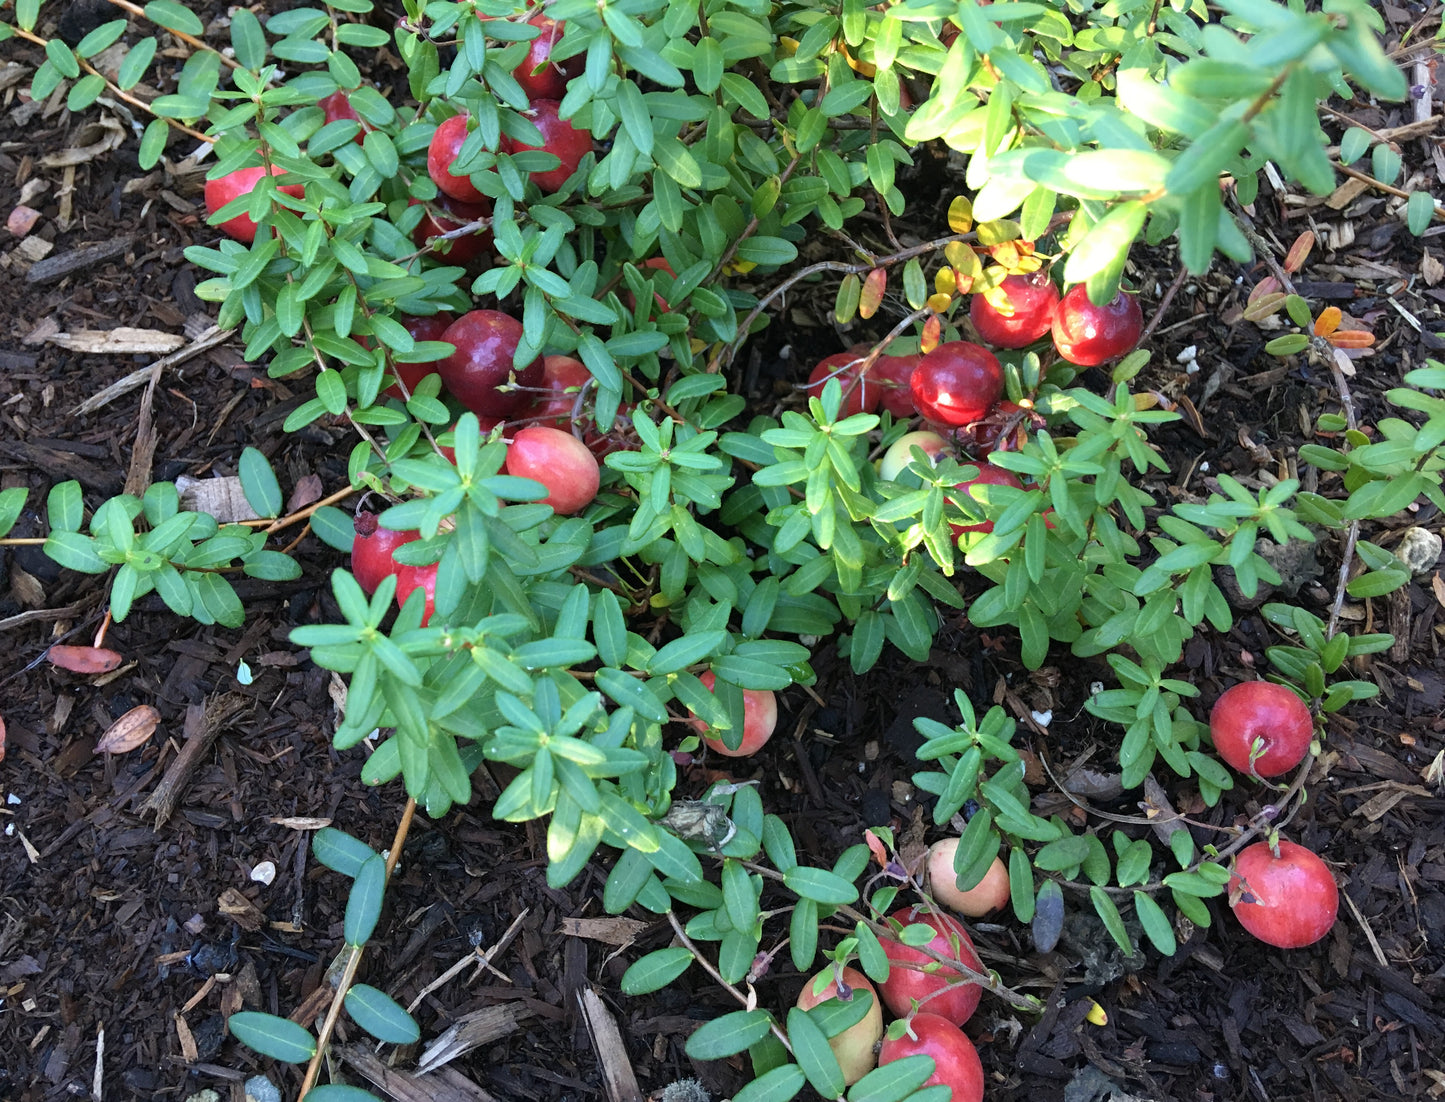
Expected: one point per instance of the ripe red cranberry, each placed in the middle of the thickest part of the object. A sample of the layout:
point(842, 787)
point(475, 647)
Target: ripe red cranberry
point(861, 393)
point(563, 378)
point(429, 328)
point(233, 185)
point(760, 718)
point(486, 342)
point(957, 383)
point(371, 550)
point(411, 578)
point(894, 374)
point(337, 107)
point(540, 76)
point(446, 143)
point(445, 215)
point(568, 142)
point(1265, 711)
point(955, 1061)
point(960, 996)
point(560, 462)
point(988, 475)
point(1292, 899)
point(1033, 300)
point(1090, 335)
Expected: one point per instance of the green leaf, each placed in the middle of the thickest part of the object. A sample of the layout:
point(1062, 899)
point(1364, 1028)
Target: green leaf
point(728, 1035)
point(1419, 212)
point(258, 483)
point(99, 39)
point(656, 970)
point(1156, 923)
point(814, 1054)
point(1112, 920)
point(1107, 242)
point(363, 905)
point(174, 16)
point(334, 528)
point(380, 1015)
point(777, 1085)
point(75, 552)
point(247, 38)
point(12, 503)
point(677, 161)
point(136, 62)
point(893, 1081)
point(820, 885)
point(153, 143)
point(339, 1092)
point(279, 1038)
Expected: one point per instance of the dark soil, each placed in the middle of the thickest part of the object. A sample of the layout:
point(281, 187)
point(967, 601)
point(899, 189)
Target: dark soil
point(146, 934)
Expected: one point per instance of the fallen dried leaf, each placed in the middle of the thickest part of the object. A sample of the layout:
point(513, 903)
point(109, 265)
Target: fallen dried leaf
point(129, 731)
point(102, 136)
point(308, 489)
point(84, 659)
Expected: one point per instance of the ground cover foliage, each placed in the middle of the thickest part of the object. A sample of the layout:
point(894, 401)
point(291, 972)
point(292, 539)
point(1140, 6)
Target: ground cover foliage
point(728, 540)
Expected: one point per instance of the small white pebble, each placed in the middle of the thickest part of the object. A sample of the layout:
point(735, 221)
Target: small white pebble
point(12, 799)
point(1043, 719)
point(10, 830)
point(264, 873)
point(1204, 467)
point(1190, 353)
point(1095, 688)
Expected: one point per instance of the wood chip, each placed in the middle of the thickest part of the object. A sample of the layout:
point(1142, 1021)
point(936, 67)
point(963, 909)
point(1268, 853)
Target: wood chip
point(130, 731)
point(58, 267)
point(446, 1085)
point(617, 1074)
point(122, 341)
point(617, 931)
point(223, 498)
point(236, 906)
point(470, 1031)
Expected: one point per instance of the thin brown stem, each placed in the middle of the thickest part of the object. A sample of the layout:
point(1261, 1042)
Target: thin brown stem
point(353, 961)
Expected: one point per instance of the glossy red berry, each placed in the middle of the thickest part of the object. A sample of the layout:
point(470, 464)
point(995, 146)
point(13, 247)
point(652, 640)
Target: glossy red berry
point(540, 76)
point(233, 185)
point(1090, 335)
point(957, 383)
point(446, 143)
point(480, 373)
point(429, 328)
point(1288, 901)
point(861, 394)
point(1032, 300)
point(568, 142)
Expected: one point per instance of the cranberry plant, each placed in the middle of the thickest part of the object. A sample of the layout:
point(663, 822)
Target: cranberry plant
point(637, 196)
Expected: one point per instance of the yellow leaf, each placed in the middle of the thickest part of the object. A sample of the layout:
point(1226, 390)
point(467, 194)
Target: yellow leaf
point(960, 214)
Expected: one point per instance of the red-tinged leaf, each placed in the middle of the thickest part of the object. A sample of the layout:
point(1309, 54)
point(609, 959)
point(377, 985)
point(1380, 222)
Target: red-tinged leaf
point(1351, 338)
point(1299, 252)
point(932, 335)
point(2, 738)
point(1328, 321)
point(871, 297)
point(84, 659)
point(129, 731)
point(1266, 286)
point(879, 850)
